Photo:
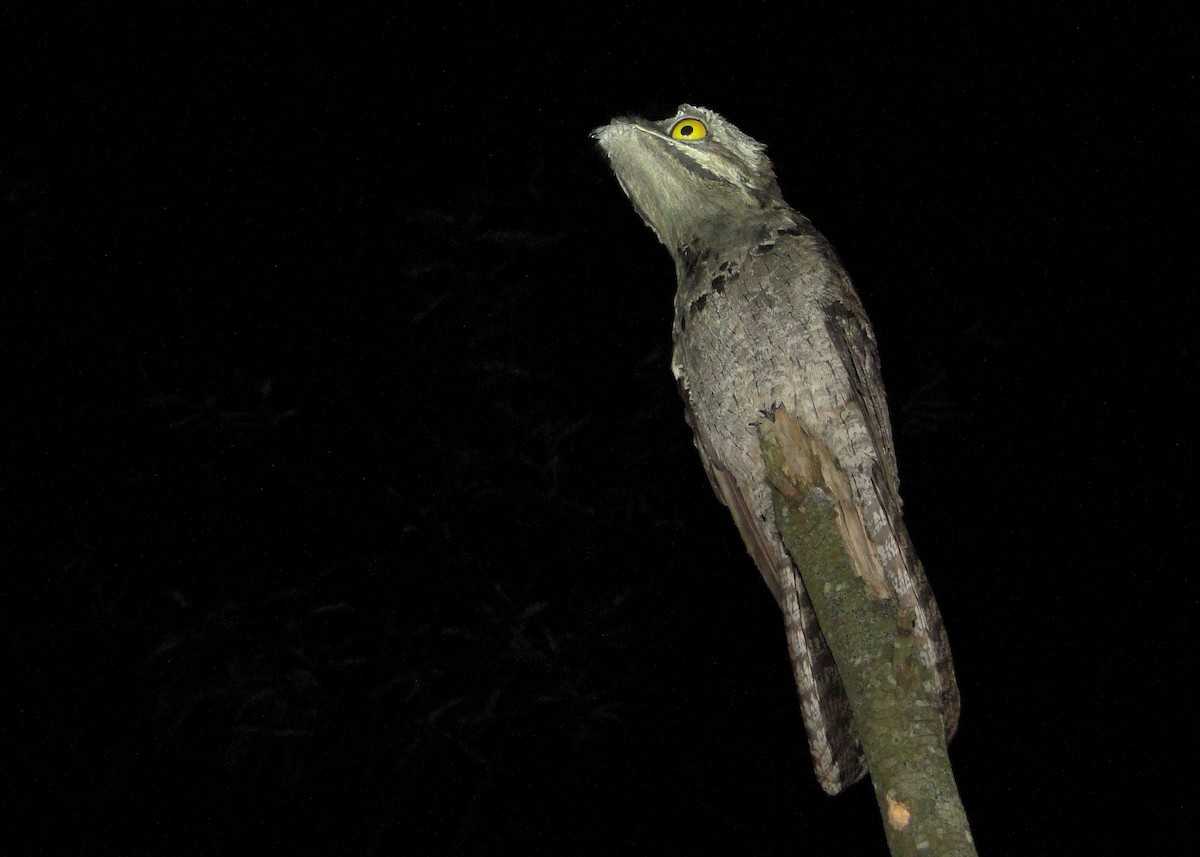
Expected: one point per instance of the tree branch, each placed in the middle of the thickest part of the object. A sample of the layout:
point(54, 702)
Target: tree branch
point(898, 719)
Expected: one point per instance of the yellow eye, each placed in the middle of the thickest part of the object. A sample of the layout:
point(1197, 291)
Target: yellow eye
point(689, 129)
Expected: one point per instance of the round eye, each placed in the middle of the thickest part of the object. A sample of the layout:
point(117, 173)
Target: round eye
point(689, 129)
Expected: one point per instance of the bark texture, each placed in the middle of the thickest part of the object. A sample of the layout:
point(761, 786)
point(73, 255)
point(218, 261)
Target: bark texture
point(895, 703)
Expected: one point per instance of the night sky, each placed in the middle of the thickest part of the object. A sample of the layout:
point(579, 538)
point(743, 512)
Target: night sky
point(350, 504)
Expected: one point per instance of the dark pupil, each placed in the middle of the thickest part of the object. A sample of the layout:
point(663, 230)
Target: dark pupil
point(686, 130)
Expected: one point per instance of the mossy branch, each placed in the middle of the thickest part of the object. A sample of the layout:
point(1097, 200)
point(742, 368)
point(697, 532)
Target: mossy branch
point(871, 637)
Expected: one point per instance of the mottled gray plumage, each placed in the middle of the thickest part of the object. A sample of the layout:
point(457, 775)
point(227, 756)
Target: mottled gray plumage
point(765, 316)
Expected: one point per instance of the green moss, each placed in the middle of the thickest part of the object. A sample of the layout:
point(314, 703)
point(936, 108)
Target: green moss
point(898, 718)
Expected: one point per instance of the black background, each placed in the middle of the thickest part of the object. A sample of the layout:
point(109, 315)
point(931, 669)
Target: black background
point(352, 508)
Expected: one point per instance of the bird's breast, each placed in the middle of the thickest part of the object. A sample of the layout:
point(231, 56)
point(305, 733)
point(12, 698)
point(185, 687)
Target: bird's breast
point(751, 332)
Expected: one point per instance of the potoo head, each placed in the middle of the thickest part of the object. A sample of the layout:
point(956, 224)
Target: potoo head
point(692, 175)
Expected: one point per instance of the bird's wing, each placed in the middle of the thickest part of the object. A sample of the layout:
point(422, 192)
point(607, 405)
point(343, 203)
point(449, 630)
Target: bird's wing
point(879, 505)
point(829, 724)
point(876, 537)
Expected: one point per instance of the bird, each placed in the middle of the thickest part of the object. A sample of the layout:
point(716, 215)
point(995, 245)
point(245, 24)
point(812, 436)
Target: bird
point(767, 317)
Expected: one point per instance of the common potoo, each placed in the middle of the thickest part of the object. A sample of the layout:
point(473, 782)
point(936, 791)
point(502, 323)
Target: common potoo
point(765, 316)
